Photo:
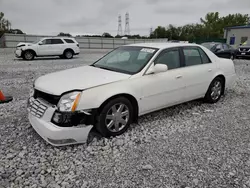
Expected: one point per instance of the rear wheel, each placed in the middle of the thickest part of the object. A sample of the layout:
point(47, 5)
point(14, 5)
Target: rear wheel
point(68, 54)
point(215, 90)
point(28, 55)
point(115, 117)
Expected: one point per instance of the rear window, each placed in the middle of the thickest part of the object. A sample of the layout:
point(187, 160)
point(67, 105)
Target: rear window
point(69, 41)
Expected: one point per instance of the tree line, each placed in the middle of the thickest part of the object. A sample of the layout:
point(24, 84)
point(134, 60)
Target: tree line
point(212, 26)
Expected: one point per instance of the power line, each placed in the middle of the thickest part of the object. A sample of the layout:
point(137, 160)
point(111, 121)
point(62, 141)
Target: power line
point(127, 28)
point(119, 31)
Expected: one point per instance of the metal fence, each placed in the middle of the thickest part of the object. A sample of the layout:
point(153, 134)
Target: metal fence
point(11, 40)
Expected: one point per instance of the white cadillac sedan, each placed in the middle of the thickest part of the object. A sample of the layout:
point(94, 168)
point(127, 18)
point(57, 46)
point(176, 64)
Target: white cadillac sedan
point(126, 83)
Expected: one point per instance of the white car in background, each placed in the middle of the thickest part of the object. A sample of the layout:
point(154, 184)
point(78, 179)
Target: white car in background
point(128, 82)
point(55, 46)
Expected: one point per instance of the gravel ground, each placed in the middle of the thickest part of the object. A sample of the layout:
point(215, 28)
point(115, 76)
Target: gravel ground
point(189, 145)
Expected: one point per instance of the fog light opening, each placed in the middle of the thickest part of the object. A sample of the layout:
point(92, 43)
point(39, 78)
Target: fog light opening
point(63, 141)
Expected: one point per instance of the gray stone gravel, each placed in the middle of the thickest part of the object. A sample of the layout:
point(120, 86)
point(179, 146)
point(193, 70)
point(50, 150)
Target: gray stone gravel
point(189, 145)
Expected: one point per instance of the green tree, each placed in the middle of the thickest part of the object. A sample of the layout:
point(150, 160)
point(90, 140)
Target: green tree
point(159, 32)
point(107, 35)
point(5, 26)
point(211, 26)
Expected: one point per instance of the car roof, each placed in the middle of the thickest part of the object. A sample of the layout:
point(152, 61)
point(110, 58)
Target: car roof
point(213, 43)
point(161, 45)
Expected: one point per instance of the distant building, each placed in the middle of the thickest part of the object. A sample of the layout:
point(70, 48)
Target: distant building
point(237, 35)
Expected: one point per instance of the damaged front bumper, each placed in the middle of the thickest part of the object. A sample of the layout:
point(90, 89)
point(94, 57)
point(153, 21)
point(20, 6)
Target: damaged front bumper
point(59, 128)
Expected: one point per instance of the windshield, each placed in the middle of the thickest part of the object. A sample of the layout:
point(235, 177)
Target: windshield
point(208, 45)
point(126, 59)
point(247, 43)
point(36, 41)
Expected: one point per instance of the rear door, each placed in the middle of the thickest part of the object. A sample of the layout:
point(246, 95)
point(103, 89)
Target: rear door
point(198, 72)
point(57, 46)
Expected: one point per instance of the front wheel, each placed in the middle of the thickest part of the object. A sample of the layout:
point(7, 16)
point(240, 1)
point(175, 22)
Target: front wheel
point(232, 57)
point(215, 91)
point(28, 55)
point(115, 117)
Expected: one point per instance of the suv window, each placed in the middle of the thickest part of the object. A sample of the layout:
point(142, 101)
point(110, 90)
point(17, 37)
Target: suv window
point(192, 56)
point(56, 41)
point(46, 41)
point(69, 41)
point(205, 59)
point(171, 58)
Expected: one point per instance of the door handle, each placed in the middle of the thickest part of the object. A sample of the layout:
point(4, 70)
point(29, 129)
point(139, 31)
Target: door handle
point(209, 70)
point(179, 76)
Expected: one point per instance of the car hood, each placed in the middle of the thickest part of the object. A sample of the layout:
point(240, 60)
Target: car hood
point(20, 44)
point(244, 46)
point(79, 78)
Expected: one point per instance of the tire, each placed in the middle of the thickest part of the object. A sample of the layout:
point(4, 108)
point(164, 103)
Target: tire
point(68, 54)
point(216, 86)
point(232, 57)
point(28, 55)
point(120, 123)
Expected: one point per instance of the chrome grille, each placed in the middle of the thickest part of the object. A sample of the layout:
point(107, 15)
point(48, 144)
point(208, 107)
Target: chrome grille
point(36, 108)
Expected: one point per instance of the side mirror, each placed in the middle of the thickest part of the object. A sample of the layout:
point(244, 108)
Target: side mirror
point(40, 43)
point(157, 69)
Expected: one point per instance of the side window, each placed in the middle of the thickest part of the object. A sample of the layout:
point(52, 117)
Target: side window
point(57, 41)
point(225, 47)
point(46, 41)
point(171, 58)
point(204, 57)
point(192, 56)
point(69, 41)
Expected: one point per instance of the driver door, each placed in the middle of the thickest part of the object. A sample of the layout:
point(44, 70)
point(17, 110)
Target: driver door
point(45, 48)
point(166, 88)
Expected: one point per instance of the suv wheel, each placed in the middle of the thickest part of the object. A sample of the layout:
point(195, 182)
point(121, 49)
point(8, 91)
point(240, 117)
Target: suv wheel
point(68, 54)
point(115, 117)
point(28, 55)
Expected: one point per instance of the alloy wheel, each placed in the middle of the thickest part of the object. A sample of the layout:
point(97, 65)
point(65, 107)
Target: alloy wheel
point(117, 117)
point(216, 90)
point(68, 54)
point(28, 55)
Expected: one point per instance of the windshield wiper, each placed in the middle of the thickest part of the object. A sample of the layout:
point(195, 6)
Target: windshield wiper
point(105, 68)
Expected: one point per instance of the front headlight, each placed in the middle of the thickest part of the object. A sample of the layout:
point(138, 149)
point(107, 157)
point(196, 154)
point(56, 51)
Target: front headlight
point(69, 102)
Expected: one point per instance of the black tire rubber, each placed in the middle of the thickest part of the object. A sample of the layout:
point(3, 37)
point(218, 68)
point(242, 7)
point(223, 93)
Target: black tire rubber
point(100, 124)
point(28, 51)
point(233, 57)
point(208, 97)
point(67, 51)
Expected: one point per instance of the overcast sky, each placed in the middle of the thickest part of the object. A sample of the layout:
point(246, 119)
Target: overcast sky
point(97, 16)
